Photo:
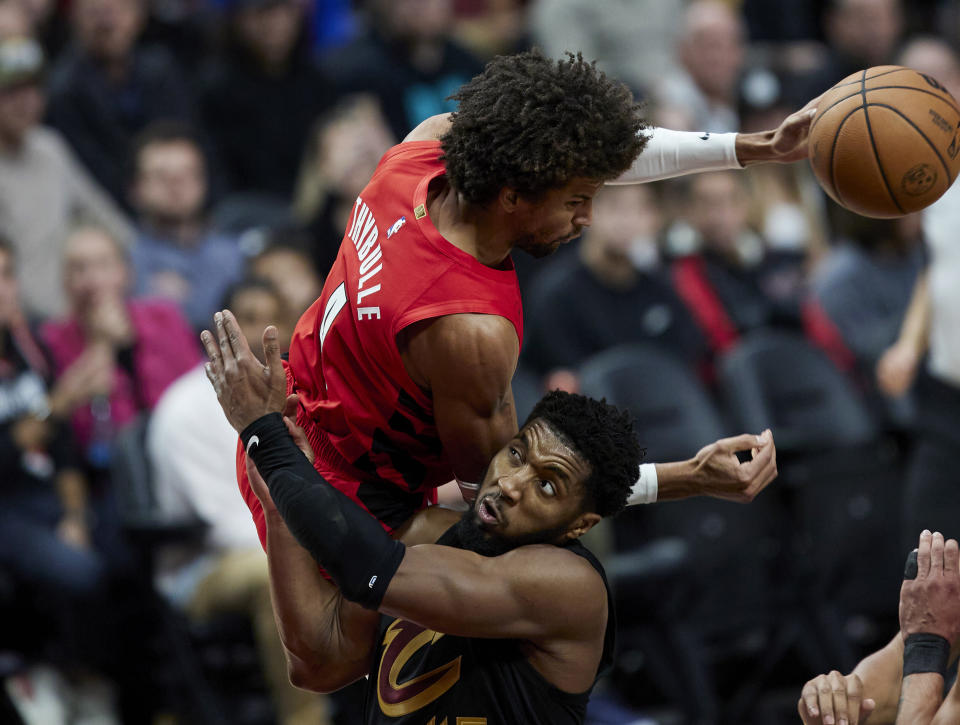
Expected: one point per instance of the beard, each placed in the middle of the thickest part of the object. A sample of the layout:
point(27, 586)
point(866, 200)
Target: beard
point(537, 250)
point(472, 538)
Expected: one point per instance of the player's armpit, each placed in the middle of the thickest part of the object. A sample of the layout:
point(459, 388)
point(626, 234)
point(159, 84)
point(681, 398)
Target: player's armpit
point(537, 593)
point(466, 361)
point(431, 129)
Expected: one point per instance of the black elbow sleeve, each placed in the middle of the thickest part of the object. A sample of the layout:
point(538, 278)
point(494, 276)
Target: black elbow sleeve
point(346, 540)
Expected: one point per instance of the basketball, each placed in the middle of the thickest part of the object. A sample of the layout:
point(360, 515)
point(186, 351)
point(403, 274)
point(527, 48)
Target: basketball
point(886, 141)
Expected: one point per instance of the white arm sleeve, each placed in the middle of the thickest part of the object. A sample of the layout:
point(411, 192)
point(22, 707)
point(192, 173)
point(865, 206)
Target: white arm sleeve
point(645, 489)
point(677, 153)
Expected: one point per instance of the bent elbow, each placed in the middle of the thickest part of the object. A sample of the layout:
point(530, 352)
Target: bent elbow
point(314, 679)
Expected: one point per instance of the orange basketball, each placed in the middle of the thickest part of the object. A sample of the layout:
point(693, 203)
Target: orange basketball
point(886, 141)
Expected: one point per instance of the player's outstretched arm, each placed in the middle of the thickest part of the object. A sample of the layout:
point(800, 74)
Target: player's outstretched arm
point(678, 153)
point(715, 471)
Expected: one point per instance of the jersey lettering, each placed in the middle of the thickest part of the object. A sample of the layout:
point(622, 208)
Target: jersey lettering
point(336, 303)
point(364, 235)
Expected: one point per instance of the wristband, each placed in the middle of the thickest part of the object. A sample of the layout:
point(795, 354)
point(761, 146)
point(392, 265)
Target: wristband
point(350, 544)
point(925, 652)
point(645, 489)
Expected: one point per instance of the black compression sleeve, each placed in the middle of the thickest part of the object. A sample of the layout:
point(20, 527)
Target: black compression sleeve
point(349, 543)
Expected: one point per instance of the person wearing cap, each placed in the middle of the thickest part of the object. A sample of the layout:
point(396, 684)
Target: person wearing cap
point(43, 187)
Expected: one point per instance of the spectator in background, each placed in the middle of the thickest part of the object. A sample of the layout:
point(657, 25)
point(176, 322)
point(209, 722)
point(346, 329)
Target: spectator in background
point(864, 284)
point(46, 519)
point(14, 20)
point(344, 150)
point(133, 348)
point(633, 40)
point(177, 255)
point(732, 283)
point(227, 571)
point(860, 34)
point(261, 98)
point(43, 188)
point(612, 291)
point(703, 94)
point(290, 268)
point(492, 27)
point(105, 89)
point(407, 59)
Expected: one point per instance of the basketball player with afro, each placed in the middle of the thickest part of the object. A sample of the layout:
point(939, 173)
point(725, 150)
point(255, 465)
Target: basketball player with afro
point(403, 366)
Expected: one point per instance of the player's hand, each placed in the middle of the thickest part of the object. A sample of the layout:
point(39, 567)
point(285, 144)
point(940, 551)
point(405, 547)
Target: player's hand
point(834, 699)
point(930, 603)
point(719, 473)
point(897, 368)
point(784, 144)
point(246, 389)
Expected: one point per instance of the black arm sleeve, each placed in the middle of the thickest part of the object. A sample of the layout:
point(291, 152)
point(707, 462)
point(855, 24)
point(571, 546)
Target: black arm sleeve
point(349, 543)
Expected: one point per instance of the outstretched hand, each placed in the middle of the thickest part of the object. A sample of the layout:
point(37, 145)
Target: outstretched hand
point(719, 473)
point(930, 603)
point(784, 144)
point(246, 389)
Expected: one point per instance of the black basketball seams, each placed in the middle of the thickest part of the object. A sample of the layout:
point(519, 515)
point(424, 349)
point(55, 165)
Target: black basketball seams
point(946, 167)
point(833, 149)
point(873, 144)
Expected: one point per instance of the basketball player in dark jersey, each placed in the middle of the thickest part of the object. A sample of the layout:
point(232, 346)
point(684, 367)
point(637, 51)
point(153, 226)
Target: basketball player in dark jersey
point(403, 366)
point(507, 620)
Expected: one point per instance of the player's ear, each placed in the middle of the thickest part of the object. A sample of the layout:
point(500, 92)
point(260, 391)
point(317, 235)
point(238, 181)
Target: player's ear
point(509, 199)
point(582, 525)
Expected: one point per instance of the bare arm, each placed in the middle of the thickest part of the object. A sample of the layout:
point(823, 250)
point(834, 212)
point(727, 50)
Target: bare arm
point(897, 366)
point(533, 592)
point(466, 362)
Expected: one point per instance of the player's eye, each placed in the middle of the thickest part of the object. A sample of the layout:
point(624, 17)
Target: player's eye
point(514, 453)
point(548, 488)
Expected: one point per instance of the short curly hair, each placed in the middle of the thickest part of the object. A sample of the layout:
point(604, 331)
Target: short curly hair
point(533, 124)
point(604, 436)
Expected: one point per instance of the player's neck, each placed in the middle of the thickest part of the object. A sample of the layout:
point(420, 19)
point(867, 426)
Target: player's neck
point(471, 228)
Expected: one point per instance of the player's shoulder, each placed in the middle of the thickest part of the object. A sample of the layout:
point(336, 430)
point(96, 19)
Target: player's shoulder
point(559, 563)
point(431, 129)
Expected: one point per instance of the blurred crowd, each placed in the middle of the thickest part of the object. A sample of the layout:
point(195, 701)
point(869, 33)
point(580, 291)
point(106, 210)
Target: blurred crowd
point(163, 159)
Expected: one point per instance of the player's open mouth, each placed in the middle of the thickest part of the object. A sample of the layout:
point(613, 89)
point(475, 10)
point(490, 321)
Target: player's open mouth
point(488, 512)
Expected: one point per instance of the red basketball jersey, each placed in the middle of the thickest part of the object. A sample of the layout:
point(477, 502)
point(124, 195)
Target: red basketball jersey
point(370, 420)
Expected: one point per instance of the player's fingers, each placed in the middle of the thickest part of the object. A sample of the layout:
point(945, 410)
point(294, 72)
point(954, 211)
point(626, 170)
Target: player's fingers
point(854, 696)
point(951, 558)
point(936, 554)
point(290, 406)
point(214, 380)
point(299, 438)
point(235, 337)
point(923, 554)
point(753, 468)
point(825, 699)
point(271, 351)
point(809, 700)
point(228, 360)
point(839, 689)
point(866, 707)
point(213, 351)
point(743, 442)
